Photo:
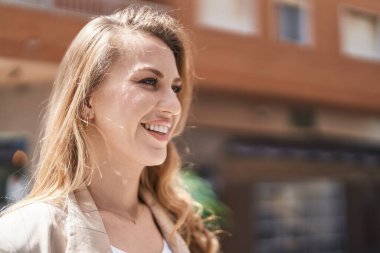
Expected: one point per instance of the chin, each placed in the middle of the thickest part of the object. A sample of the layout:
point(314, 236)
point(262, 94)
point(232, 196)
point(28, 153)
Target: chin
point(157, 162)
point(157, 159)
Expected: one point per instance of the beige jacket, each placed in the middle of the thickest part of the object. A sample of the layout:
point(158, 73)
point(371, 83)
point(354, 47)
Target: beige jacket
point(42, 227)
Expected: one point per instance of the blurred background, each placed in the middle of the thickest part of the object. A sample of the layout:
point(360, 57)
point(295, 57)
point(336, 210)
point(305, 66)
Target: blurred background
point(286, 119)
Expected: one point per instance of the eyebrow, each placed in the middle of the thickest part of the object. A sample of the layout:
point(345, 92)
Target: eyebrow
point(157, 73)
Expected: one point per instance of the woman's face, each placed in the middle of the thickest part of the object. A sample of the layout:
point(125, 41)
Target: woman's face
point(136, 108)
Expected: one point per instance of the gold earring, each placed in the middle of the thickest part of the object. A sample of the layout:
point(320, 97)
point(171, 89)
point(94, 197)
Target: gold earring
point(87, 120)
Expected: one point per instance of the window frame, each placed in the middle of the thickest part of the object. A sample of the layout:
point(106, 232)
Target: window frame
point(307, 7)
point(255, 19)
point(342, 11)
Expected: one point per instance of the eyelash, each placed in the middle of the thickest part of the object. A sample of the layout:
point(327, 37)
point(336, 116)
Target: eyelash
point(153, 82)
point(177, 88)
point(149, 81)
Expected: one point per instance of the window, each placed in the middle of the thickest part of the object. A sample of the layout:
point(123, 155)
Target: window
point(293, 21)
point(301, 217)
point(360, 35)
point(230, 15)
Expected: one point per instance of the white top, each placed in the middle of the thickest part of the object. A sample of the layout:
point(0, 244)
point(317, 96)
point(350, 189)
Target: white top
point(165, 250)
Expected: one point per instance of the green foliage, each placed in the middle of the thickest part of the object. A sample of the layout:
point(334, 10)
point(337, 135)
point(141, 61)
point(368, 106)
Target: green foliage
point(214, 211)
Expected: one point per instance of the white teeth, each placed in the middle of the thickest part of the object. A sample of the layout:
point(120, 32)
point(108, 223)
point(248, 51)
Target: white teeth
point(157, 128)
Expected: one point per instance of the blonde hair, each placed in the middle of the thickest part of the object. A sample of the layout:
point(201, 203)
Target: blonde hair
point(64, 162)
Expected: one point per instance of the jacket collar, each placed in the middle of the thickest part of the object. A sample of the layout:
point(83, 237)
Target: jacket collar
point(165, 224)
point(86, 231)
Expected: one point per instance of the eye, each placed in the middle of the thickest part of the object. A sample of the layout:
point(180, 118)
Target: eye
point(176, 88)
point(149, 81)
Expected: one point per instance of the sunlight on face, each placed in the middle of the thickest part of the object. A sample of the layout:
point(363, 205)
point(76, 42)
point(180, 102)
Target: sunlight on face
point(136, 107)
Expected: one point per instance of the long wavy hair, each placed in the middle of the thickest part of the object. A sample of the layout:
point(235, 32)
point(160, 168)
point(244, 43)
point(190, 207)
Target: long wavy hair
point(64, 163)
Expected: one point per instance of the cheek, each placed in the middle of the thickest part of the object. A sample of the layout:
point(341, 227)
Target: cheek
point(108, 114)
point(124, 116)
point(123, 109)
point(137, 101)
point(140, 104)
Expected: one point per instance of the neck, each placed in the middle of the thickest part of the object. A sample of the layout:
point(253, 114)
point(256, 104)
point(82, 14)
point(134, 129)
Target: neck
point(116, 190)
point(115, 184)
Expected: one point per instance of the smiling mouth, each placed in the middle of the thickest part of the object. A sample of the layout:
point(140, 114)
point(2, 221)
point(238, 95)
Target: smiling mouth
point(159, 129)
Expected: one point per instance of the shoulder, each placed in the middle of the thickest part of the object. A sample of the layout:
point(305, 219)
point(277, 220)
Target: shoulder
point(32, 214)
point(33, 227)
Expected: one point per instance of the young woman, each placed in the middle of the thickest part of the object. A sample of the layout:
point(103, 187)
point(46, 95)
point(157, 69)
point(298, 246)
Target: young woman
point(107, 177)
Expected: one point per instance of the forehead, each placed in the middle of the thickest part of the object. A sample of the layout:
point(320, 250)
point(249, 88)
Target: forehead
point(146, 50)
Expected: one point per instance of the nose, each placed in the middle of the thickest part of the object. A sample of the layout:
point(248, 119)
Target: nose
point(169, 103)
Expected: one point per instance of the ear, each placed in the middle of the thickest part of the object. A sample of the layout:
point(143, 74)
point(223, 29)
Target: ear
point(88, 111)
